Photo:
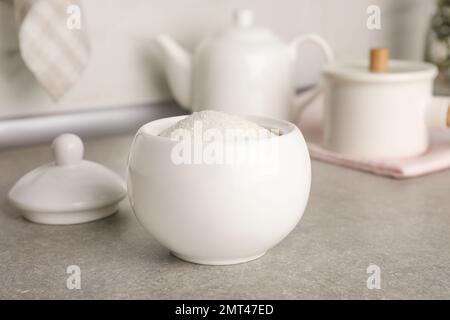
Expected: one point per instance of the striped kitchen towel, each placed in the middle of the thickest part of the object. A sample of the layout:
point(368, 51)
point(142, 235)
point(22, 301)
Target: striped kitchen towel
point(53, 42)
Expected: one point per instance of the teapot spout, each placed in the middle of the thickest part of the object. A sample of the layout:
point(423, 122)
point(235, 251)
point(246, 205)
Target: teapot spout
point(177, 63)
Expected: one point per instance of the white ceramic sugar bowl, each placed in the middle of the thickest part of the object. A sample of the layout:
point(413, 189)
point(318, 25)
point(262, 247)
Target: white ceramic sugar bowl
point(219, 214)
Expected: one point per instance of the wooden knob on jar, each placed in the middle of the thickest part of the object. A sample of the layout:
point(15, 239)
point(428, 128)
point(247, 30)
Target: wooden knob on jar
point(379, 60)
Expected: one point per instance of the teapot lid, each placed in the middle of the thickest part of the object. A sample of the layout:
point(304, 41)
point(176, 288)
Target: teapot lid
point(68, 190)
point(243, 28)
point(243, 17)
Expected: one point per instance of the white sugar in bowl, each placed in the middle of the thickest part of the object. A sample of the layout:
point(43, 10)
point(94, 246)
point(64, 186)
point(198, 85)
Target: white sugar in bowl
point(219, 213)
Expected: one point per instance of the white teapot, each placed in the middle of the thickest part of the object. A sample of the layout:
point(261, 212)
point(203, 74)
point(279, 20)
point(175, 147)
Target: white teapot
point(242, 69)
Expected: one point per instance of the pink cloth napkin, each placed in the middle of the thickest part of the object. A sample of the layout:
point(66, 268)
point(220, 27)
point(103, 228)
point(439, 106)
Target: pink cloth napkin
point(435, 159)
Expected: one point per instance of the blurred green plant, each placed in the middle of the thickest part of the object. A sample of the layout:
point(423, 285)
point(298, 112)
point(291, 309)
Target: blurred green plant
point(438, 40)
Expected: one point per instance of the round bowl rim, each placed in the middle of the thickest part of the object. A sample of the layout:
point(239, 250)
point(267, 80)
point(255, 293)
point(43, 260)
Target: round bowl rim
point(287, 128)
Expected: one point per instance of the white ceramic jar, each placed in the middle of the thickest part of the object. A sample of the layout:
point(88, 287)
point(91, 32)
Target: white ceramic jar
point(219, 213)
point(381, 114)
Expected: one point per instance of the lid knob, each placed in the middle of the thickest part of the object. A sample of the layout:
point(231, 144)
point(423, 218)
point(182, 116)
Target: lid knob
point(67, 149)
point(379, 60)
point(243, 17)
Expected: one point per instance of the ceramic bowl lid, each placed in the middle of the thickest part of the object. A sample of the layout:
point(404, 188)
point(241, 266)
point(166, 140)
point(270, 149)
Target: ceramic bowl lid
point(399, 70)
point(69, 184)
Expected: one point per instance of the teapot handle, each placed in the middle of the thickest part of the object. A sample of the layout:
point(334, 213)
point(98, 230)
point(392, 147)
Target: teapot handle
point(329, 57)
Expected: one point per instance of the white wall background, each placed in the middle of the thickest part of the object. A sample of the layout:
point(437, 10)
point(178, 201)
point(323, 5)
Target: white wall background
point(124, 68)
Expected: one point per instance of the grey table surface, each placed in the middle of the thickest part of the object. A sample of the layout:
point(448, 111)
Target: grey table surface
point(353, 220)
